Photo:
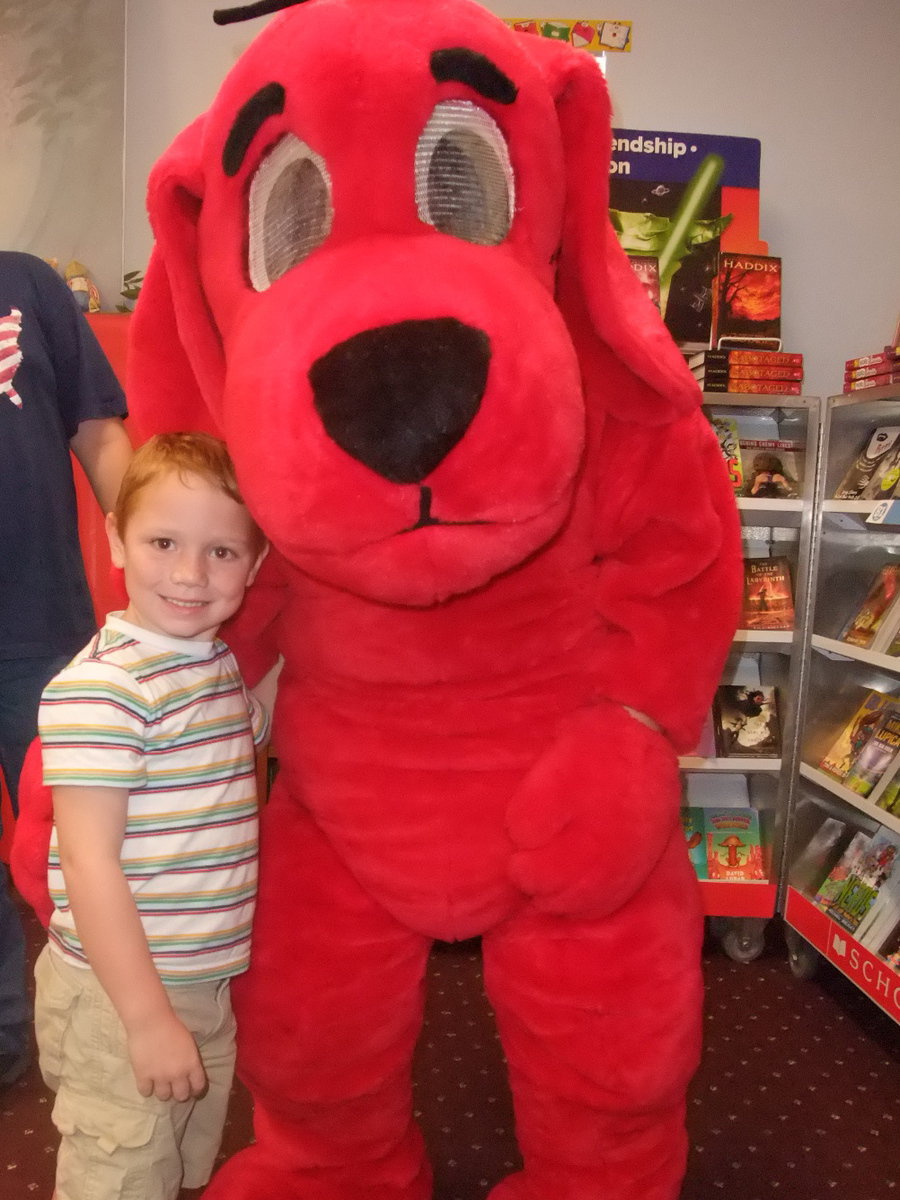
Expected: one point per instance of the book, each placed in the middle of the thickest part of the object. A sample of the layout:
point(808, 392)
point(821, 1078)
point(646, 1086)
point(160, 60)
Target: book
point(874, 459)
point(754, 387)
point(889, 355)
point(746, 371)
point(853, 735)
point(850, 902)
point(734, 844)
point(818, 856)
point(646, 268)
point(746, 297)
point(768, 595)
point(694, 826)
point(747, 357)
point(726, 430)
point(881, 748)
point(746, 721)
point(866, 621)
point(883, 916)
point(834, 882)
point(860, 385)
point(874, 369)
point(773, 468)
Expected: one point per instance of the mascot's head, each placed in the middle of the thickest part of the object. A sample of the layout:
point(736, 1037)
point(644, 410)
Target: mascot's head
point(385, 274)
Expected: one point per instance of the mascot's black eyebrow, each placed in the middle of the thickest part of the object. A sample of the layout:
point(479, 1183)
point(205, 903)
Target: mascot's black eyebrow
point(267, 102)
point(461, 65)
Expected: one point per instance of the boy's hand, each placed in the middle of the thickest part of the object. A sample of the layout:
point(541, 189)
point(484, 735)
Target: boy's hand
point(165, 1060)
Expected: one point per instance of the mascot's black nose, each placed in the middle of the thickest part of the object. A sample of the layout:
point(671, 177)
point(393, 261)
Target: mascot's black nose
point(399, 398)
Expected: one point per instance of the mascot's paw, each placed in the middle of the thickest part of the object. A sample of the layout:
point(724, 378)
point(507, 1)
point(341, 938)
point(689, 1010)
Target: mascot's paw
point(585, 840)
point(31, 840)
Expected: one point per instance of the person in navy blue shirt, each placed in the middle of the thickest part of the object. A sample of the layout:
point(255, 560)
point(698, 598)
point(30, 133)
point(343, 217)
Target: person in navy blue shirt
point(58, 394)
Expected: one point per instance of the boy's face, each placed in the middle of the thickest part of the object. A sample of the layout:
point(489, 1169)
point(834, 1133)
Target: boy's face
point(189, 553)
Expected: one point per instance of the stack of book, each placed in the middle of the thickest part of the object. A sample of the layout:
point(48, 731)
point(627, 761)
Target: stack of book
point(865, 755)
point(875, 471)
point(758, 372)
point(879, 369)
point(861, 892)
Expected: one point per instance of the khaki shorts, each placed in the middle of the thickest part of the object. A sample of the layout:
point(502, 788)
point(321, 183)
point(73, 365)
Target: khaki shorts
point(117, 1144)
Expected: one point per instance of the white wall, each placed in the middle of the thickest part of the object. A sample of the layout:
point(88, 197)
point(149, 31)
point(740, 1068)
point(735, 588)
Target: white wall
point(815, 80)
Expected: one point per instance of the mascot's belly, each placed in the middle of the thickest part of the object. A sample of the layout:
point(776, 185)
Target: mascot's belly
point(413, 793)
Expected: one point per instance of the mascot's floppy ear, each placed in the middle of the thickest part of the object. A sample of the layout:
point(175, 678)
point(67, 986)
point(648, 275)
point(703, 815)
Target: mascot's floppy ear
point(175, 362)
point(598, 292)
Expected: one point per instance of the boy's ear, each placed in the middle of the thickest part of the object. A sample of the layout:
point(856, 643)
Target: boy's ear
point(254, 570)
point(116, 549)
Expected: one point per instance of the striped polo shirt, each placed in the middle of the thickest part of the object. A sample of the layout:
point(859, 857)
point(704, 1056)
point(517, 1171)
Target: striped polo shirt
point(170, 720)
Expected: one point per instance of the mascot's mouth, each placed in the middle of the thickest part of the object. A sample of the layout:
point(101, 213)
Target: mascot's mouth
point(427, 518)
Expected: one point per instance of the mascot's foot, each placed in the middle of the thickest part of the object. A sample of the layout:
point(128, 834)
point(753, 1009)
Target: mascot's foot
point(249, 1176)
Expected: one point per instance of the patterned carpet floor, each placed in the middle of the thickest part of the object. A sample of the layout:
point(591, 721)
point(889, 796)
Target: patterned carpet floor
point(797, 1097)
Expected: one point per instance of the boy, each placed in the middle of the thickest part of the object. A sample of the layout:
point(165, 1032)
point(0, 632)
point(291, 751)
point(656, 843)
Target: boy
point(148, 745)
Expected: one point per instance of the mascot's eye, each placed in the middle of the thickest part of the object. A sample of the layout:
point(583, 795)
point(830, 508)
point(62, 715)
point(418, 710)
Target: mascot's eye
point(464, 179)
point(290, 210)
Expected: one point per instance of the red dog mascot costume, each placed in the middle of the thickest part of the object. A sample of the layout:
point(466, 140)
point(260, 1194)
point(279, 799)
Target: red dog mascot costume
point(505, 575)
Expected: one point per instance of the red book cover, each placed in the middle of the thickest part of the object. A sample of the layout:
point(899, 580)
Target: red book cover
point(768, 595)
point(888, 355)
point(746, 299)
point(747, 371)
point(756, 387)
point(770, 358)
point(859, 385)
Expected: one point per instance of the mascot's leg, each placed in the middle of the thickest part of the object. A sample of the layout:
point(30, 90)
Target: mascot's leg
point(328, 1016)
point(601, 1025)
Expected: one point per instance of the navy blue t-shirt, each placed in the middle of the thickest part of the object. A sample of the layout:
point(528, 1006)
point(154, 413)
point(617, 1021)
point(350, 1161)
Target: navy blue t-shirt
point(53, 376)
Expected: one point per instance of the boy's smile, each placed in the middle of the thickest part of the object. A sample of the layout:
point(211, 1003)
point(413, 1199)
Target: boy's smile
point(189, 552)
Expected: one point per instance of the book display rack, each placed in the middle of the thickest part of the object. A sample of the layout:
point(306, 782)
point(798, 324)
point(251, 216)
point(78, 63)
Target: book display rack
point(841, 889)
point(766, 658)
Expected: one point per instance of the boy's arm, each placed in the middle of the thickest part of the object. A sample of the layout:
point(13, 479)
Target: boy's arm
point(90, 824)
point(103, 448)
point(266, 690)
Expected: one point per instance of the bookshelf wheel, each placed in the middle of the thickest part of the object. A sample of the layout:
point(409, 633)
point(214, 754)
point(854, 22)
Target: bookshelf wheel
point(803, 958)
point(744, 939)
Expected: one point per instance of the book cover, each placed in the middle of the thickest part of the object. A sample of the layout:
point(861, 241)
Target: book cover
point(881, 368)
point(746, 371)
point(889, 355)
point(746, 721)
point(877, 754)
point(817, 857)
point(734, 844)
point(852, 901)
point(883, 916)
point(754, 387)
point(768, 595)
point(860, 385)
point(835, 881)
point(692, 822)
point(853, 736)
point(646, 267)
point(682, 198)
point(726, 430)
point(872, 461)
point(746, 299)
point(771, 358)
point(773, 469)
point(865, 623)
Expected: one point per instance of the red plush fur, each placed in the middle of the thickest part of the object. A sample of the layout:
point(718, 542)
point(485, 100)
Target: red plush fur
point(480, 712)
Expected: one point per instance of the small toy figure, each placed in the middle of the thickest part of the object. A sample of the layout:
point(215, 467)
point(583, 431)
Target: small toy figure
point(82, 286)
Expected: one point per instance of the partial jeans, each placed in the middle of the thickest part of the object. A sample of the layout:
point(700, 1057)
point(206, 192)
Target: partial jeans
point(21, 682)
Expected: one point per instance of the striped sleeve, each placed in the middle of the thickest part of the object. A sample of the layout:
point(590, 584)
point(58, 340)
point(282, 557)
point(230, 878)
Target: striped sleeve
point(91, 722)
